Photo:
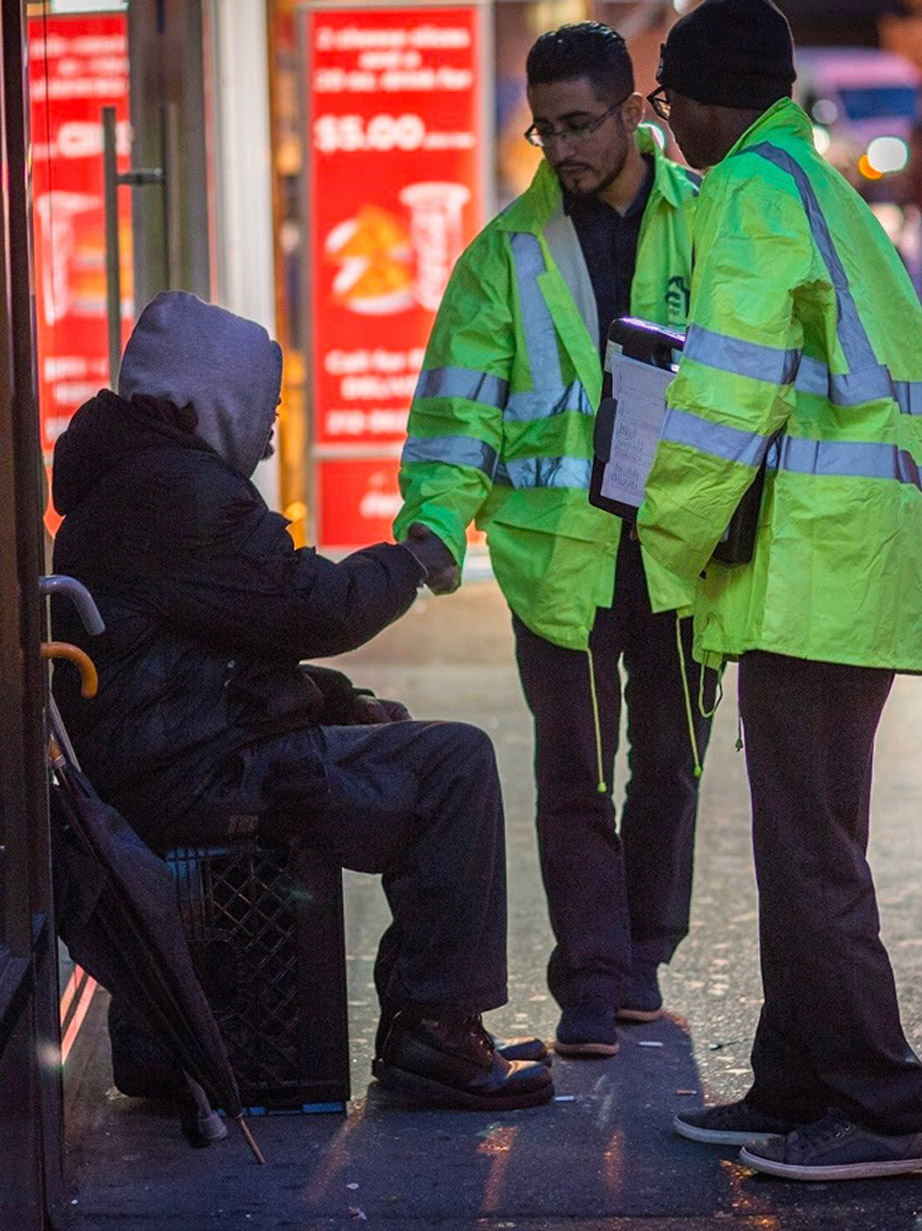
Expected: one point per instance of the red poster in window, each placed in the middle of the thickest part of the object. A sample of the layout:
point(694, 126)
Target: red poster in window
point(356, 500)
point(78, 64)
point(396, 193)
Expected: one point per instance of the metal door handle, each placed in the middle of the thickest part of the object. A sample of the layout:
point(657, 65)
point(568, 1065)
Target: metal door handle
point(137, 177)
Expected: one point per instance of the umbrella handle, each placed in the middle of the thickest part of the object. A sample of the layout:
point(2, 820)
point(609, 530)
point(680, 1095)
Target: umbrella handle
point(79, 595)
point(80, 659)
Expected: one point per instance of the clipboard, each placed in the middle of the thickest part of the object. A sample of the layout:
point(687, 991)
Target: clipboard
point(642, 358)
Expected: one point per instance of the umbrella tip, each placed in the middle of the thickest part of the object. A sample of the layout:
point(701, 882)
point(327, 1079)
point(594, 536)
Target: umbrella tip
point(250, 1140)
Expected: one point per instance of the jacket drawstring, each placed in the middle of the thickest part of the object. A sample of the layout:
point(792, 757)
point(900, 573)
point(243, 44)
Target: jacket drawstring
point(602, 786)
point(702, 707)
point(686, 692)
point(718, 689)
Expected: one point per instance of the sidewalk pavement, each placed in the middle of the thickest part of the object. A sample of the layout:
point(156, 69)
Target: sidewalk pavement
point(602, 1156)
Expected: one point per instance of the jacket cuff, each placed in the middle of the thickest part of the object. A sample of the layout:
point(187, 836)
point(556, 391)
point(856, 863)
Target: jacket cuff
point(423, 571)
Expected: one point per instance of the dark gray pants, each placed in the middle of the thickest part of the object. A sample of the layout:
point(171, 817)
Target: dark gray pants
point(829, 1034)
point(419, 803)
point(614, 896)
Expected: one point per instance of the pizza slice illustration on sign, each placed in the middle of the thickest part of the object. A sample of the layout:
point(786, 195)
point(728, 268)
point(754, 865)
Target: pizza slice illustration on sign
point(375, 258)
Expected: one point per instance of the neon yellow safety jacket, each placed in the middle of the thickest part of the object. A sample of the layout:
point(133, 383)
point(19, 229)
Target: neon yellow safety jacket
point(500, 428)
point(804, 350)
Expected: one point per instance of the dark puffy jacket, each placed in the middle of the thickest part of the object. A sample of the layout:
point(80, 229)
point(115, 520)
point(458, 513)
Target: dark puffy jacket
point(208, 609)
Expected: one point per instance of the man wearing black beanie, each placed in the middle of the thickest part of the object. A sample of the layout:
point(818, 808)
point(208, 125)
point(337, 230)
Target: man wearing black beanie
point(802, 367)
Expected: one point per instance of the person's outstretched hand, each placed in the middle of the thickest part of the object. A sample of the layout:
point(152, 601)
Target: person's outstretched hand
point(442, 572)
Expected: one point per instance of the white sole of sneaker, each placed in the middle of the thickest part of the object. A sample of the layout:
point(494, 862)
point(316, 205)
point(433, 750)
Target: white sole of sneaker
point(585, 1049)
point(844, 1171)
point(711, 1137)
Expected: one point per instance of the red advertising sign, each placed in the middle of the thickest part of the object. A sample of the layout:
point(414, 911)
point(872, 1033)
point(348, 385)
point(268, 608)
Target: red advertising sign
point(78, 64)
point(356, 499)
point(395, 195)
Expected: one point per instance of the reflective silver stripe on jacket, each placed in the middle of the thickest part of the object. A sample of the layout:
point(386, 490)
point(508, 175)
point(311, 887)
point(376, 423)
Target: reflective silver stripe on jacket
point(718, 350)
point(867, 380)
point(684, 428)
point(855, 388)
point(525, 407)
point(453, 450)
point(781, 367)
point(451, 382)
point(544, 472)
point(537, 323)
point(853, 338)
point(847, 459)
point(550, 396)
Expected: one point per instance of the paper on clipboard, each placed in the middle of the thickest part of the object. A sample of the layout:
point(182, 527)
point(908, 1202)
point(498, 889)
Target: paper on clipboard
point(640, 391)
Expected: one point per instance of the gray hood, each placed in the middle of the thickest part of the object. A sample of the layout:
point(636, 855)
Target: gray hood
point(227, 368)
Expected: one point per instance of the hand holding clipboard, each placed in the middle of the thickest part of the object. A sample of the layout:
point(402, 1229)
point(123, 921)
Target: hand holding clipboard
point(642, 359)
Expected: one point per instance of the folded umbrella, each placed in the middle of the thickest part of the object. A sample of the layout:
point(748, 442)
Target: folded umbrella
point(116, 911)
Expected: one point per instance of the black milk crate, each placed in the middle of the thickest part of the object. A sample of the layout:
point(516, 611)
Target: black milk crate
point(264, 926)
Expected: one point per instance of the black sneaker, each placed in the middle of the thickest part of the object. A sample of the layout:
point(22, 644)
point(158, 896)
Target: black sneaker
point(643, 1001)
point(835, 1148)
point(587, 1029)
point(452, 1063)
point(730, 1124)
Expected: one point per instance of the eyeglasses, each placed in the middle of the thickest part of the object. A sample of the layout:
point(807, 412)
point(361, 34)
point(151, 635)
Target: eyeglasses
point(574, 131)
point(659, 101)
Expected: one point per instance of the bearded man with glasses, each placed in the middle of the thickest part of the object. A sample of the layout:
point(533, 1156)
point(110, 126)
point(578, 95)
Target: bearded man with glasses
point(500, 433)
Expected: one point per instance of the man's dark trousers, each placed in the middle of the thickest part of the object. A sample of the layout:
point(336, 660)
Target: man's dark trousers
point(420, 803)
point(614, 895)
point(829, 1034)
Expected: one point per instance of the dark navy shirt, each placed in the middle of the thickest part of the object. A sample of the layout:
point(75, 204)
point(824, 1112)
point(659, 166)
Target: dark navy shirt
point(609, 243)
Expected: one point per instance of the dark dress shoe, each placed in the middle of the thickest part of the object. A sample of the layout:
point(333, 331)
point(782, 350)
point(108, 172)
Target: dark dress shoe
point(522, 1047)
point(452, 1062)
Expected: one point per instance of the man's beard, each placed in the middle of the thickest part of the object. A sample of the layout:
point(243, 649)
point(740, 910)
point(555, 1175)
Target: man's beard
point(599, 188)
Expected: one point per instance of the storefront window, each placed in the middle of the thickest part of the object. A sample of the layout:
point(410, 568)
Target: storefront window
point(78, 64)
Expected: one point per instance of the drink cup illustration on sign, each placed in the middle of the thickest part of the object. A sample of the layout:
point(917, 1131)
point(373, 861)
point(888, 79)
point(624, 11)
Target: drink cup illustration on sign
point(436, 234)
point(74, 266)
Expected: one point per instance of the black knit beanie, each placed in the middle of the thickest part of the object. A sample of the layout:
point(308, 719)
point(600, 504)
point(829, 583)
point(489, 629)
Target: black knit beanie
point(730, 53)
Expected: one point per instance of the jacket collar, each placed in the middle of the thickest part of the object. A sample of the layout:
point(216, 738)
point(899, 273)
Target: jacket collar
point(543, 198)
point(782, 119)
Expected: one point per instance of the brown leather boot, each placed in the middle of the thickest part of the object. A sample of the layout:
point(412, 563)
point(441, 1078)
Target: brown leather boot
point(452, 1062)
point(520, 1047)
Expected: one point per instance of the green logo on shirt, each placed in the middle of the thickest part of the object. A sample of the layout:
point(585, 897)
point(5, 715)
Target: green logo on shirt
point(678, 298)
